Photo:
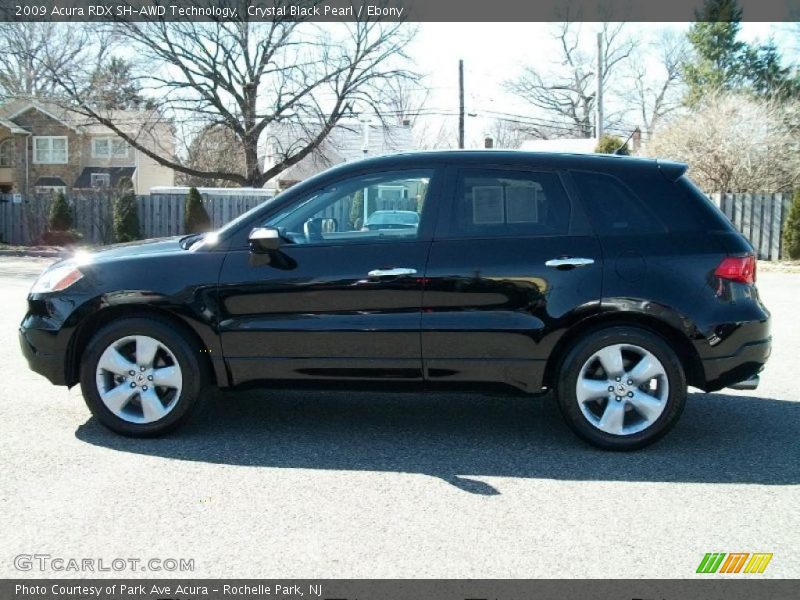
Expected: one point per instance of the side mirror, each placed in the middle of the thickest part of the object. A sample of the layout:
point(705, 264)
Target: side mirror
point(264, 239)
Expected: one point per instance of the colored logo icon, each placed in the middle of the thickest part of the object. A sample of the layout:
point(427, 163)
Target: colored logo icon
point(734, 562)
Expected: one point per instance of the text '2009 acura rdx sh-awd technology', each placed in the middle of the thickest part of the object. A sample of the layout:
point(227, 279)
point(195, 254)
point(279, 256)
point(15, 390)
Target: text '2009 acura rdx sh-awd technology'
point(612, 281)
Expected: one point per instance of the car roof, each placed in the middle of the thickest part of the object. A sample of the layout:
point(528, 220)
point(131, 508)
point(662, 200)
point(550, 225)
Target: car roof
point(551, 160)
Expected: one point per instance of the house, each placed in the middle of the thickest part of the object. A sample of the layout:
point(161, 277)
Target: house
point(345, 143)
point(578, 145)
point(45, 147)
point(567, 145)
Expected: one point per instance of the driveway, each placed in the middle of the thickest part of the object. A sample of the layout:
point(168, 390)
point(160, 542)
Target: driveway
point(336, 485)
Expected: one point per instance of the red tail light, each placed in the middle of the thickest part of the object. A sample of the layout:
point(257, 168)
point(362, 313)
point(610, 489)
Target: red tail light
point(738, 268)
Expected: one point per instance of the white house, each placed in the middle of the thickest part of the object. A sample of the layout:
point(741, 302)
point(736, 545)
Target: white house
point(345, 143)
point(567, 145)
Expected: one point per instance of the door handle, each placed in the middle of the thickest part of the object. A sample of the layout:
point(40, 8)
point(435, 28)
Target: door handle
point(568, 261)
point(396, 272)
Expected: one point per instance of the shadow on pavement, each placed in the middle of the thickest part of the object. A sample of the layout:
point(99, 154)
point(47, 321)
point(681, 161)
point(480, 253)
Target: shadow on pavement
point(461, 438)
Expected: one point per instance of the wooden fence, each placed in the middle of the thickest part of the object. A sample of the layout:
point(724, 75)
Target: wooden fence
point(760, 217)
point(160, 215)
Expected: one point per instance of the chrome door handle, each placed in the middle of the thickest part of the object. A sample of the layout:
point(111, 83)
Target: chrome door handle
point(568, 261)
point(398, 272)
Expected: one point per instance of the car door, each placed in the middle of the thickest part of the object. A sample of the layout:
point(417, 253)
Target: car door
point(512, 265)
point(338, 299)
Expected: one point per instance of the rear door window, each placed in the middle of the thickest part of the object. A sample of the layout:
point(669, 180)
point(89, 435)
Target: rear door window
point(491, 203)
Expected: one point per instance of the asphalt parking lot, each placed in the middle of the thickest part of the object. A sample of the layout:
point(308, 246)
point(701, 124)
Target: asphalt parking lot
point(308, 484)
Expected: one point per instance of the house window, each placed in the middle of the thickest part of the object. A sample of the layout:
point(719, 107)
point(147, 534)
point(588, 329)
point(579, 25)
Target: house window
point(51, 150)
point(108, 147)
point(7, 148)
point(100, 180)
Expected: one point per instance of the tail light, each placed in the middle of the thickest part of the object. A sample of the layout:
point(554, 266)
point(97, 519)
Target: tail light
point(738, 268)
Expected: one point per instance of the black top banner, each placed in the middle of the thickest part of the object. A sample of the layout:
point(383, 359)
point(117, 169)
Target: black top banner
point(384, 10)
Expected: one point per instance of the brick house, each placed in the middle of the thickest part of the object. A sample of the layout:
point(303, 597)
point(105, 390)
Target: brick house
point(44, 147)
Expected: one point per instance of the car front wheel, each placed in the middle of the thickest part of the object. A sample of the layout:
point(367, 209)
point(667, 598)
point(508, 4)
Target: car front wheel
point(621, 388)
point(140, 377)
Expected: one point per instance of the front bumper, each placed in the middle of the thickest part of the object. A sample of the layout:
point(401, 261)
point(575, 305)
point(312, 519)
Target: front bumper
point(43, 357)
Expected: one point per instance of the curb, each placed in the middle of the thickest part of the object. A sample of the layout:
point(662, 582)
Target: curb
point(34, 253)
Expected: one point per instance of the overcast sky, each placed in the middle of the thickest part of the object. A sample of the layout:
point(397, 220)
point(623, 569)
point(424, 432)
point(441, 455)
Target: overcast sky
point(493, 52)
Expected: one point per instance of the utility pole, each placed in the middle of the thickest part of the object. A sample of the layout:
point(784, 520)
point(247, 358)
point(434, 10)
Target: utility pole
point(599, 96)
point(460, 103)
point(365, 151)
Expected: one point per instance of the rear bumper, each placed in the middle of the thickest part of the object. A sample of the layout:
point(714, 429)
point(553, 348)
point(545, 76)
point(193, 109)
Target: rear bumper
point(747, 384)
point(740, 366)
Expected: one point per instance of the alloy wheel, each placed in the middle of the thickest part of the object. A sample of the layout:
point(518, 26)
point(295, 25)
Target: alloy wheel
point(139, 379)
point(622, 389)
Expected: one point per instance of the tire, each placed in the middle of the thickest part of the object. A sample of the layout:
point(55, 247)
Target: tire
point(607, 396)
point(136, 405)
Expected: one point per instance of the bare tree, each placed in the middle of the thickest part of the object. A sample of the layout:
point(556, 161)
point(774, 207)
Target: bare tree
point(654, 77)
point(253, 79)
point(434, 133)
point(735, 143)
point(507, 134)
point(26, 63)
point(404, 100)
point(215, 148)
point(567, 92)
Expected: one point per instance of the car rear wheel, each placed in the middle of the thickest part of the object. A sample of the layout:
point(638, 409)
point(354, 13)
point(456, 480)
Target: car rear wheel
point(140, 377)
point(621, 388)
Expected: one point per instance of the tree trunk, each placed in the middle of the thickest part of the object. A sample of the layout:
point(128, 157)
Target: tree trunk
point(253, 168)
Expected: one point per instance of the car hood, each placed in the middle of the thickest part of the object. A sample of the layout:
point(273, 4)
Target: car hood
point(131, 250)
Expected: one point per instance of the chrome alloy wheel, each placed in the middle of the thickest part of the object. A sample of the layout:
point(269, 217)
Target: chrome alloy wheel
point(622, 389)
point(139, 379)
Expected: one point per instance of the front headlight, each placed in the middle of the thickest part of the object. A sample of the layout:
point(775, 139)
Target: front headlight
point(57, 279)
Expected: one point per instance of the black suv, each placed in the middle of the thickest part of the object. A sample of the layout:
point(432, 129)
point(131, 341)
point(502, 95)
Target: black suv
point(612, 281)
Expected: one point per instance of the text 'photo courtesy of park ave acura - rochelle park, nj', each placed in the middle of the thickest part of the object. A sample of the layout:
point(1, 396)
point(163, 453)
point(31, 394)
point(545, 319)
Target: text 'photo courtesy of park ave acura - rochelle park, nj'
point(399, 299)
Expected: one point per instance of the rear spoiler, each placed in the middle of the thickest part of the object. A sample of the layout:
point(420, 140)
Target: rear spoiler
point(671, 170)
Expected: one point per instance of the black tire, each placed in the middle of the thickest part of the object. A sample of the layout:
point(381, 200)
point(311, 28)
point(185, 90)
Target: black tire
point(187, 356)
point(584, 349)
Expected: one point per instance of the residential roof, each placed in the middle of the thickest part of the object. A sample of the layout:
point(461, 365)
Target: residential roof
point(84, 181)
point(130, 121)
point(12, 127)
point(50, 181)
point(573, 145)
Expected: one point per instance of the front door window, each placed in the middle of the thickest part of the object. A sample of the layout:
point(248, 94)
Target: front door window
point(368, 208)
